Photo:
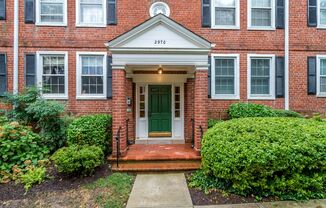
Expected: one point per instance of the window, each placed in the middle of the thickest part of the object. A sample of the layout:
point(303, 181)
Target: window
point(91, 72)
point(226, 14)
point(322, 13)
point(51, 12)
point(261, 14)
point(91, 13)
point(142, 102)
point(225, 76)
point(52, 74)
point(2, 9)
point(261, 77)
point(177, 102)
point(321, 76)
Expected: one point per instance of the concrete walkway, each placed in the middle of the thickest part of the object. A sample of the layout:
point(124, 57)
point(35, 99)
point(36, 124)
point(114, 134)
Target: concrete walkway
point(160, 190)
point(171, 191)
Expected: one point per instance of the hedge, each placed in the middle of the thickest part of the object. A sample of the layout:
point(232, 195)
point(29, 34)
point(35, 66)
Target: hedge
point(282, 157)
point(91, 130)
point(244, 110)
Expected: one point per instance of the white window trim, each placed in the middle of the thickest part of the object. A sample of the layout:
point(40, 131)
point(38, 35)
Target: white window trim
point(271, 96)
point(38, 16)
point(80, 24)
point(319, 25)
point(39, 72)
point(235, 96)
point(78, 78)
point(319, 93)
point(272, 27)
point(226, 27)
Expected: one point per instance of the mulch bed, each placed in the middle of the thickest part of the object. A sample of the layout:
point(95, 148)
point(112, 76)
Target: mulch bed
point(57, 182)
point(218, 197)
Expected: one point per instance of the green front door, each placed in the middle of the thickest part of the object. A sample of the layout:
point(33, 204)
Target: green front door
point(159, 110)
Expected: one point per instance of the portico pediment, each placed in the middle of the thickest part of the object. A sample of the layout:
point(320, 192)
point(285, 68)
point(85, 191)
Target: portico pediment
point(160, 34)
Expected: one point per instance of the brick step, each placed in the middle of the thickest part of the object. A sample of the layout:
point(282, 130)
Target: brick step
point(155, 166)
point(155, 158)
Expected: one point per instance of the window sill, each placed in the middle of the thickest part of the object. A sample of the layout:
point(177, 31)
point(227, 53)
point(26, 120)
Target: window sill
point(262, 28)
point(321, 27)
point(225, 28)
point(55, 97)
point(90, 97)
point(225, 97)
point(44, 24)
point(80, 25)
point(321, 96)
point(261, 98)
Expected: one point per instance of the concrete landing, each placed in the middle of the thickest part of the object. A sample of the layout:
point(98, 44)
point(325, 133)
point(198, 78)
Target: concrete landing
point(160, 190)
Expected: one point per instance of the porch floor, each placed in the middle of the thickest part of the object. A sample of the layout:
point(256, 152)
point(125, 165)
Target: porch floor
point(169, 157)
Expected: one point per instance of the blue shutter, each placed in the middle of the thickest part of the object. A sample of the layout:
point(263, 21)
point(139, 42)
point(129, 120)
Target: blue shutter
point(111, 12)
point(30, 11)
point(312, 13)
point(312, 75)
point(280, 14)
point(3, 74)
point(280, 77)
point(2, 9)
point(209, 77)
point(109, 77)
point(206, 13)
point(30, 70)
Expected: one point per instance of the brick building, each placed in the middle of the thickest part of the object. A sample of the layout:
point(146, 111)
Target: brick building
point(162, 64)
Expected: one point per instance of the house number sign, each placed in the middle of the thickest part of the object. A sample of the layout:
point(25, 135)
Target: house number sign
point(160, 42)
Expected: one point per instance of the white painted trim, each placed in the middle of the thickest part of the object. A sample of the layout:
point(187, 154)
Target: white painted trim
point(235, 96)
point(39, 73)
point(38, 16)
point(272, 27)
point(319, 25)
point(102, 96)
point(271, 96)
point(168, 11)
point(226, 27)
point(16, 47)
point(80, 24)
point(319, 93)
point(287, 56)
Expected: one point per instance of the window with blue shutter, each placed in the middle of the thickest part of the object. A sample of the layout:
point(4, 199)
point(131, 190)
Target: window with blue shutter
point(3, 74)
point(312, 75)
point(280, 14)
point(30, 70)
point(2, 9)
point(30, 11)
point(206, 13)
point(280, 77)
point(312, 13)
point(109, 78)
point(112, 12)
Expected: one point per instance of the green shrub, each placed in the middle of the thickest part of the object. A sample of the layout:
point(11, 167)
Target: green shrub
point(3, 120)
point(78, 159)
point(283, 157)
point(34, 175)
point(19, 144)
point(245, 110)
point(212, 122)
point(43, 115)
point(91, 130)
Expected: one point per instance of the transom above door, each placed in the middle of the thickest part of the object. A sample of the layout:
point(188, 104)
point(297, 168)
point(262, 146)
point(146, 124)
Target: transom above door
point(159, 111)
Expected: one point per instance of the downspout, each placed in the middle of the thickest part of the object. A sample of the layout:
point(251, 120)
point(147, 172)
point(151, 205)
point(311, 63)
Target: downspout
point(287, 54)
point(16, 42)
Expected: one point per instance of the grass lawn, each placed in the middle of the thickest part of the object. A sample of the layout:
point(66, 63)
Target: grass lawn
point(112, 191)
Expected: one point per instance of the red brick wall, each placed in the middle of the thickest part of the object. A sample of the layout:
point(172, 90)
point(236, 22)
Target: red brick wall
point(304, 41)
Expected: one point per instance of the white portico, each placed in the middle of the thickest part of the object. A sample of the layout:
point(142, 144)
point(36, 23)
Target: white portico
point(158, 57)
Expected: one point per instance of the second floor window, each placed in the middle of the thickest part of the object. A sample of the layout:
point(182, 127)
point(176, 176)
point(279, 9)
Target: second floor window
point(321, 76)
point(91, 13)
point(51, 12)
point(261, 14)
point(225, 14)
point(322, 13)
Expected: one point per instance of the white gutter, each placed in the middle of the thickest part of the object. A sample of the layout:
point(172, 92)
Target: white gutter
point(287, 54)
point(16, 39)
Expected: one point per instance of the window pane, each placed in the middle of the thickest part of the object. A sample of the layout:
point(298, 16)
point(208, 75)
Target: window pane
point(225, 3)
point(53, 81)
point(92, 85)
point(224, 16)
point(323, 84)
point(261, 3)
point(51, 11)
point(261, 17)
point(260, 76)
point(91, 13)
point(323, 67)
point(323, 16)
point(53, 84)
point(225, 76)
